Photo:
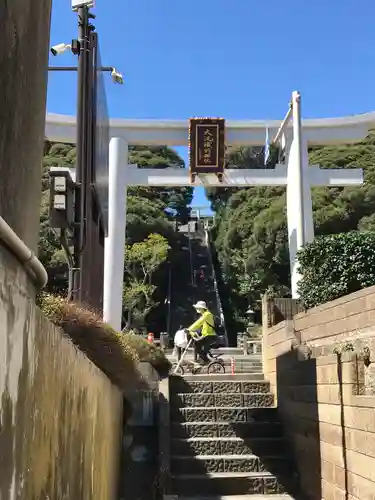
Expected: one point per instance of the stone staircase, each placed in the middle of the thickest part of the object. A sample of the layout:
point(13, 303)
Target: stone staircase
point(226, 440)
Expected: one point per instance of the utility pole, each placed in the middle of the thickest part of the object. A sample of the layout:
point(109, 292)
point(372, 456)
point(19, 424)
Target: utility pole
point(82, 167)
point(88, 226)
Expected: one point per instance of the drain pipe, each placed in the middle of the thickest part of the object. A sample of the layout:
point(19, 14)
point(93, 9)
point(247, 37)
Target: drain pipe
point(27, 258)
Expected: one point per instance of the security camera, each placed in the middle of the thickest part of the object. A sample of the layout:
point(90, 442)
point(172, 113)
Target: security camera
point(117, 77)
point(60, 49)
point(76, 4)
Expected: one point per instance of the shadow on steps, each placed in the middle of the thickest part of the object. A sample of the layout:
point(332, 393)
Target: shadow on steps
point(227, 439)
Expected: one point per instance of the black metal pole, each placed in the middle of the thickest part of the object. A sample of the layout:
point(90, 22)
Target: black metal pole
point(105, 69)
point(169, 299)
point(81, 168)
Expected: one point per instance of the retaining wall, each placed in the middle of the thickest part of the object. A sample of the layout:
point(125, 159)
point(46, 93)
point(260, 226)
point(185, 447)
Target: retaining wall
point(316, 365)
point(60, 416)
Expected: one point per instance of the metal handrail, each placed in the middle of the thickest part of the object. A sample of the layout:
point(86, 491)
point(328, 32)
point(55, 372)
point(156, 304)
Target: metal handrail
point(29, 260)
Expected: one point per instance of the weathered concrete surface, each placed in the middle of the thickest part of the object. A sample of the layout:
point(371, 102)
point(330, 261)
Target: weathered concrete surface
point(139, 467)
point(60, 417)
point(24, 28)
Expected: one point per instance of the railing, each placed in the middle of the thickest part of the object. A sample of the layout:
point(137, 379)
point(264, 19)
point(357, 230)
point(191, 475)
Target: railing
point(249, 345)
point(32, 264)
point(278, 310)
point(191, 257)
point(216, 289)
point(253, 347)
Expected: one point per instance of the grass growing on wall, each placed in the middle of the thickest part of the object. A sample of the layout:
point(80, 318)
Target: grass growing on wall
point(116, 354)
point(147, 352)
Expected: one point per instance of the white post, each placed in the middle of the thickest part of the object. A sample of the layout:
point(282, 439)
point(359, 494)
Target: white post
point(296, 186)
point(307, 200)
point(115, 242)
point(298, 168)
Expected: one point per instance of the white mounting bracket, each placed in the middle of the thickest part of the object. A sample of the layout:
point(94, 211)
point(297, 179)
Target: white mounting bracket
point(76, 4)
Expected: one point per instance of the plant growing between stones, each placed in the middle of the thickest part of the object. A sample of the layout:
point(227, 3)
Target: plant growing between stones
point(367, 356)
point(346, 347)
point(161, 483)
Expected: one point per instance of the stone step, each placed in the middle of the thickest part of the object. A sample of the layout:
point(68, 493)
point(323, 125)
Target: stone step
point(244, 369)
point(181, 385)
point(230, 350)
point(239, 368)
point(222, 414)
point(224, 351)
point(220, 377)
point(228, 399)
point(282, 496)
point(248, 360)
point(229, 446)
point(231, 483)
point(231, 463)
point(243, 362)
point(271, 428)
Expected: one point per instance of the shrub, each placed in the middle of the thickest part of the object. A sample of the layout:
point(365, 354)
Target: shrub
point(336, 265)
point(106, 348)
point(148, 352)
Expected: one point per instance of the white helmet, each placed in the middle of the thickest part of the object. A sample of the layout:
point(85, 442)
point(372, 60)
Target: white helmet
point(201, 304)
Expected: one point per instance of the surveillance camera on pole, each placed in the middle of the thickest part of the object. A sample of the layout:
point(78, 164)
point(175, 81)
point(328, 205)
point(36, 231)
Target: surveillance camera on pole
point(117, 77)
point(60, 49)
point(76, 4)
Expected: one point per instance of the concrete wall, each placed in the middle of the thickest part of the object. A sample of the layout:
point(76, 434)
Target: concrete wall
point(139, 464)
point(325, 395)
point(60, 417)
point(24, 27)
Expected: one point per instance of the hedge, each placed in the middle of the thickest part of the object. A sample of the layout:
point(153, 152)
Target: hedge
point(336, 265)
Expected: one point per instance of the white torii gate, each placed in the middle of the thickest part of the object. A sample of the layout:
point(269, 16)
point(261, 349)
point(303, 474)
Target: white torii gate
point(297, 175)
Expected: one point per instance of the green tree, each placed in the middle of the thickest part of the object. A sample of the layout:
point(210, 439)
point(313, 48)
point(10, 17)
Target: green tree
point(251, 228)
point(142, 260)
point(50, 252)
point(149, 210)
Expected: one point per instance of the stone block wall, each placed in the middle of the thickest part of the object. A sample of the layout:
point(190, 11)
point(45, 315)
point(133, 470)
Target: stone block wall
point(325, 394)
point(60, 416)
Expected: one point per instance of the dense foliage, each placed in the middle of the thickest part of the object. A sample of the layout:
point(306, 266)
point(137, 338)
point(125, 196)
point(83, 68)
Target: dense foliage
point(150, 211)
point(142, 260)
point(251, 230)
point(335, 265)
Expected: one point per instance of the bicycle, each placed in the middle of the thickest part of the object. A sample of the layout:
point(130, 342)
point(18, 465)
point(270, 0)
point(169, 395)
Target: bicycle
point(216, 364)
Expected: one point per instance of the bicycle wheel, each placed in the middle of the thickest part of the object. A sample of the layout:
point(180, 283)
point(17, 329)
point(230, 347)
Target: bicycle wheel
point(180, 370)
point(216, 367)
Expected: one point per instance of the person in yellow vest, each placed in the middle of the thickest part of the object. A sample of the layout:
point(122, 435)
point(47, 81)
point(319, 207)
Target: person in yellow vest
point(205, 325)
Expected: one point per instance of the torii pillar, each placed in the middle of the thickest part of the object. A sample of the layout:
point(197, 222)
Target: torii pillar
point(297, 175)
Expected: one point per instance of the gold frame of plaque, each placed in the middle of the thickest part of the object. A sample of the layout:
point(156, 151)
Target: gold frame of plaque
point(206, 147)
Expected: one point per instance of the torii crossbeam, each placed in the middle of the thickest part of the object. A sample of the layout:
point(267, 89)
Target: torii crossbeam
point(296, 175)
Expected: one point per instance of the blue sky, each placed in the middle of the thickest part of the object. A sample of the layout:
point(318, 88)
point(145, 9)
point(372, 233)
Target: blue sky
point(238, 59)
